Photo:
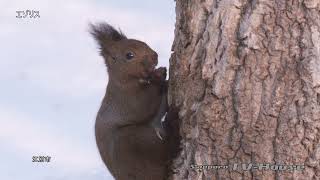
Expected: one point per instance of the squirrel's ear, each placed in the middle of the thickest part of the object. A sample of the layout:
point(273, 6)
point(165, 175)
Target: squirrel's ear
point(106, 36)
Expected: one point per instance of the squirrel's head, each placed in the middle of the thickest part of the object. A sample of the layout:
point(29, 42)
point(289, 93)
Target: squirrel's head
point(125, 58)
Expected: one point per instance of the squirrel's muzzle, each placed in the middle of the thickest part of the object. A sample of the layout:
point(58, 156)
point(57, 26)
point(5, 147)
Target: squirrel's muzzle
point(150, 62)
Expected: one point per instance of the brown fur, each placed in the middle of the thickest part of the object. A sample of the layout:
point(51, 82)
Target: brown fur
point(126, 140)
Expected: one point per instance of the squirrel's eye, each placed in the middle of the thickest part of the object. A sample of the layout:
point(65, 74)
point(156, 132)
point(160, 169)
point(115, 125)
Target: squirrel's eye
point(129, 55)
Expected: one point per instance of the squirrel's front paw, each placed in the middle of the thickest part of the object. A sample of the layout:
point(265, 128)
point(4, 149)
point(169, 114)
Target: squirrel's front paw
point(160, 74)
point(157, 76)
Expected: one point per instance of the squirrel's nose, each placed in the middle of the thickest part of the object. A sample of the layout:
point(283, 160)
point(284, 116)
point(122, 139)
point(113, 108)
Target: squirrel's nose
point(150, 61)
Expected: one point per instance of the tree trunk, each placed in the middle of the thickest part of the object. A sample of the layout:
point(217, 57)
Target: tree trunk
point(245, 76)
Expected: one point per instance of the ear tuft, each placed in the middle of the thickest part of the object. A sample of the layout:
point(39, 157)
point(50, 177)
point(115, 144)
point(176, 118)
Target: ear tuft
point(106, 36)
point(103, 33)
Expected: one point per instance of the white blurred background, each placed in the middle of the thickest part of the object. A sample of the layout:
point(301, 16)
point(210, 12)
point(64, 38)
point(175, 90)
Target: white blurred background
point(52, 81)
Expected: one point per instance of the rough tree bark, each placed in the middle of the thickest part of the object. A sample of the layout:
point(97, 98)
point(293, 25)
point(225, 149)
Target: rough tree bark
point(245, 75)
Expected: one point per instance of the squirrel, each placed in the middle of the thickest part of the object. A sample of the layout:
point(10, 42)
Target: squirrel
point(129, 132)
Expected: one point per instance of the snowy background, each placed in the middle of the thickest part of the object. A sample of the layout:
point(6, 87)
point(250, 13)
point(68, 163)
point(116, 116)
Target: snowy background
point(52, 81)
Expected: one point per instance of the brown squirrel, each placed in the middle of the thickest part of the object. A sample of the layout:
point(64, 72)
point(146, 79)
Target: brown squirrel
point(128, 129)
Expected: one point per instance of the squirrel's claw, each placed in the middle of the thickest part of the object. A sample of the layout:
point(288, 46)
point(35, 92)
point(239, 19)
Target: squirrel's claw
point(144, 81)
point(158, 133)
